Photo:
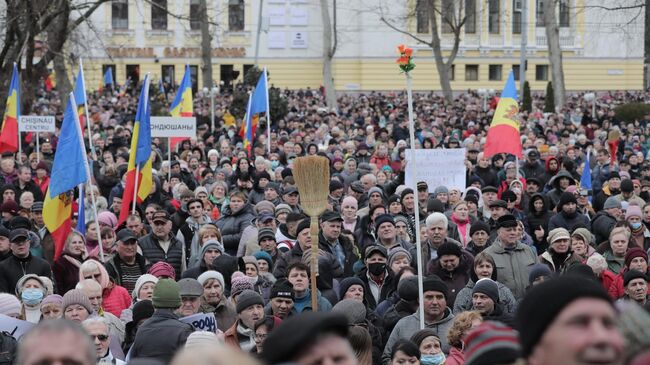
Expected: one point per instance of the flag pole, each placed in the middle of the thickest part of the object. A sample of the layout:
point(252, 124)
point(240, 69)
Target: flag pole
point(135, 187)
point(169, 158)
point(92, 191)
point(38, 149)
point(90, 134)
point(268, 114)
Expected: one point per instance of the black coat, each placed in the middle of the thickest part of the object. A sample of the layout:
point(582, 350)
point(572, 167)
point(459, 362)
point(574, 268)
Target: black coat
point(232, 225)
point(14, 268)
point(160, 336)
point(385, 288)
point(348, 248)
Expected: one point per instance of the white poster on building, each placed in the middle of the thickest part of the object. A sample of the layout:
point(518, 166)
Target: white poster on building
point(299, 40)
point(276, 40)
point(299, 16)
point(438, 167)
point(173, 127)
point(277, 15)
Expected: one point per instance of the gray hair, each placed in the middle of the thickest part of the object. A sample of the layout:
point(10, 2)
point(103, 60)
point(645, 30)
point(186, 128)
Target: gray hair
point(96, 320)
point(597, 262)
point(435, 218)
point(56, 327)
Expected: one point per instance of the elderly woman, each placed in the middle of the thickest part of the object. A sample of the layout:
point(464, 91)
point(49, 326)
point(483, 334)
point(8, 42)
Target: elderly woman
point(619, 239)
point(116, 298)
point(429, 344)
point(52, 307)
point(460, 217)
point(66, 267)
point(219, 195)
point(635, 259)
point(581, 243)
point(214, 300)
point(31, 290)
point(607, 278)
point(349, 208)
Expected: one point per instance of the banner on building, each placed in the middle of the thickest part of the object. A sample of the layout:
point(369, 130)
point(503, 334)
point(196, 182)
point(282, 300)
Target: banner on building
point(437, 167)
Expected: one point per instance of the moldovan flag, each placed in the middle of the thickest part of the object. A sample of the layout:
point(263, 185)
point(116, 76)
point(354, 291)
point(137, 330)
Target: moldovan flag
point(9, 131)
point(259, 103)
point(182, 105)
point(503, 135)
point(69, 169)
point(139, 156)
point(80, 96)
point(249, 127)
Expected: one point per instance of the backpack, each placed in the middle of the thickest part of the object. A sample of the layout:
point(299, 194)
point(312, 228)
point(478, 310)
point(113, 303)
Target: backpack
point(8, 348)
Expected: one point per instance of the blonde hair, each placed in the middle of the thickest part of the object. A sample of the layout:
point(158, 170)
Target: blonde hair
point(68, 241)
point(620, 230)
point(209, 228)
point(460, 326)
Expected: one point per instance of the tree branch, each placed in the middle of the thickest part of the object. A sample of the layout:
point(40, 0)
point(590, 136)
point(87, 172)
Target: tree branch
point(393, 27)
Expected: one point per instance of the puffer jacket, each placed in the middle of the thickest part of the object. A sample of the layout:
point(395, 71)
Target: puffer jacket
point(513, 265)
point(160, 336)
point(602, 226)
point(232, 225)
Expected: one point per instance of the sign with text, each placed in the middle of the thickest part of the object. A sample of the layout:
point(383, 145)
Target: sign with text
point(438, 167)
point(15, 327)
point(202, 322)
point(173, 127)
point(37, 123)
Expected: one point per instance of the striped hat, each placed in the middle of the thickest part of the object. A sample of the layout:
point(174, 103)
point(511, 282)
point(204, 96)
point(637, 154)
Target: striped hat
point(491, 343)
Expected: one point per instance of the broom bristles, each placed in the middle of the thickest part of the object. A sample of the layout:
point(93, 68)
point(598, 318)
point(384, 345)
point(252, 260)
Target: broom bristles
point(312, 176)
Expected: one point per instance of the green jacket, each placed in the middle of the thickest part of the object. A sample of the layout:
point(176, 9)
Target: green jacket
point(512, 266)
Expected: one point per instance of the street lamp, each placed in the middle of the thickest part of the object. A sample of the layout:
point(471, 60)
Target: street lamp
point(213, 92)
point(591, 97)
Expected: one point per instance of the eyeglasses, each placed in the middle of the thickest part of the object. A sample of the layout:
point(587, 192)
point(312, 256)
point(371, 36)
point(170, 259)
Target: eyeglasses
point(102, 338)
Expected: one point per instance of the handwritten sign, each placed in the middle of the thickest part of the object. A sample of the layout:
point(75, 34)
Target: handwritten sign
point(202, 322)
point(438, 167)
point(37, 123)
point(173, 127)
point(15, 327)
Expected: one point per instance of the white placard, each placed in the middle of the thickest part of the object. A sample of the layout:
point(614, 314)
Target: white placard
point(276, 40)
point(438, 167)
point(277, 15)
point(299, 16)
point(15, 327)
point(173, 127)
point(37, 123)
point(202, 322)
point(277, 1)
point(299, 40)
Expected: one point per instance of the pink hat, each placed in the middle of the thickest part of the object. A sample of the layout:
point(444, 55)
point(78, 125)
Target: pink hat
point(161, 268)
point(633, 210)
point(107, 218)
point(9, 305)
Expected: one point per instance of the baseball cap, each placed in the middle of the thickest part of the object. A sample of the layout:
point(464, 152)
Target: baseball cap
point(125, 235)
point(160, 215)
point(18, 234)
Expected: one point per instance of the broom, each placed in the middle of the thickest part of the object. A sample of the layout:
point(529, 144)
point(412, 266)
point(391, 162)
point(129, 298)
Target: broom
point(312, 176)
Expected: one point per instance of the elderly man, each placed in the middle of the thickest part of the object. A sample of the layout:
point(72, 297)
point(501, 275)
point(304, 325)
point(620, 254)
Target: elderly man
point(330, 240)
point(386, 230)
point(636, 287)
point(576, 324)
point(21, 262)
point(250, 309)
point(437, 227)
point(512, 257)
point(162, 245)
point(191, 291)
point(97, 328)
point(606, 220)
point(56, 341)
point(127, 265)
point(93, 291)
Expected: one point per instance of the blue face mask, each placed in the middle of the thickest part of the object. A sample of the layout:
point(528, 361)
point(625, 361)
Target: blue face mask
point(275, 164)
point(436, 359)
point(32, 296)
point(636, 225)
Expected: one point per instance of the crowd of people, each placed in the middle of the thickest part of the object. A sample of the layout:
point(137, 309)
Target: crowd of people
point(525, 265)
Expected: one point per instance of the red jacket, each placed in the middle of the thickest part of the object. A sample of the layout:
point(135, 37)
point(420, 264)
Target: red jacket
point(116, 299)
point(455, 357)
point(616, 288)
point(608, 279)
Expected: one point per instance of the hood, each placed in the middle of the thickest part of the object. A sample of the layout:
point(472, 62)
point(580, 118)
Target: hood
point(555, 180)
point(535, 197)
point(548, 160)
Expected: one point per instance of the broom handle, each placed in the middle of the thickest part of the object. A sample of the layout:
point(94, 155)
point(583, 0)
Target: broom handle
point(313, 230)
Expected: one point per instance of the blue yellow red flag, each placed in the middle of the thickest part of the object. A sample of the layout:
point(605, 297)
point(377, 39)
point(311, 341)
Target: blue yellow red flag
point(9, 132)
point(503, 134)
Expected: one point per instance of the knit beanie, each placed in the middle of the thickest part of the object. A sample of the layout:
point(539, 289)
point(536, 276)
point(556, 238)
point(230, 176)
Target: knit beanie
point(161, 268)
point(401, 218)
point(21, 282)
point(376, 189)
point(533, 319)
point(383, 218)
point(631, 275)
point(282, 289)
point(584, 234)
point(449, 248)
point(142, 310)
point(397, 252)
point(633, 211)
point(435, 284)
point(491, 343)
point(304, 224)
point(488, 287)
point(347, 283)
point(202, 339)
point(440, 190)
point(405, 192)
point(479, 226)
point(167, 294)
point(240, 283)
point(612, 202)
point(77, 296)
point(352, 309)
point(265, 233)
point(282, 208)
point(248, 260)
point(52, 299)
point(633, 253)
point(211, 274)
point(211, 244)
point(9, 305)
point(263, 255)
point(407, 289)
point(248, 298)
point(107, 218)
point(566, 198)
point(538, 270)
point(143, 279)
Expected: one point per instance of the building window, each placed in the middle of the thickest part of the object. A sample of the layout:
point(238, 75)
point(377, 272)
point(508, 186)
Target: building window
point(471, 72)
point(194, 78)
point(159, 14)
point(539, 13)
point(236, 15)
point(516, 16)
point(195, 15)
point(447, 16)
point(493, 17)
point(541, 72)
point(452, 73)
point(515, 71)
point(495, 72)
point(565, 14)
point(422, 16)
point(120, 14)
point(470, 16)
point(168, 76)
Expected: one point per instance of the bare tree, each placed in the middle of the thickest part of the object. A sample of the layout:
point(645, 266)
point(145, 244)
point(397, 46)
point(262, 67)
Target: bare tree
point(554, 52)
point(330, 41)
point(206, 45)
point(453, 17)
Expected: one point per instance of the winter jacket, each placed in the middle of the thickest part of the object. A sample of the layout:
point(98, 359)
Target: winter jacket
point(114, 269)
point(533, 170)
point(556, 263)
point(160, 336)
point(116, 299)
point(195, 271)
point(386, 288)
point(348, 250)
point(568, 221)
point(602, 196)
point(14, 268)
point(408, 325)
point(426, 253)
point(223, 312)
point(31, 187)
point(232, 225)
point(457, 279)
point(487, 174)
point(464, 298)
point(616, 289)
point(396, 312)
point(614, 264)
point(538, 219)
point(66, 274)
point(602, 226)
point(153, 252)
point(303, 304)
point(455, 357)
point(513, 266)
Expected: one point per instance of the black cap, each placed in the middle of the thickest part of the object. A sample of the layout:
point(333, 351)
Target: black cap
point(282, 289)
point(509, 196)
point(372, 249)
point(631, 275)
point(506, 221)
point(533, 154)
point(18, 234)
point(330, 216)
point(304, 224)
point(125, 235)
point(614, 174)
point(498, 203)
point(489, 189)
point(160, 215)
